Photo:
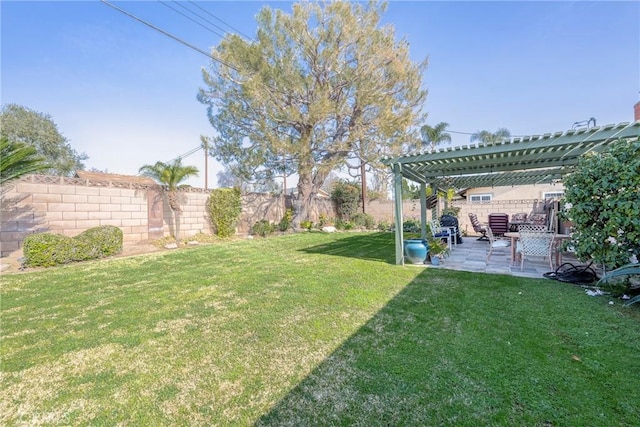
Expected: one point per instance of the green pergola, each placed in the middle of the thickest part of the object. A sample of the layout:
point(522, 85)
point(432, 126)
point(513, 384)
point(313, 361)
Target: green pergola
point(537, 159)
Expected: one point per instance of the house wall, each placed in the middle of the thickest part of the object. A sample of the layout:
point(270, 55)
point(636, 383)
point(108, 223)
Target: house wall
point(517, 192)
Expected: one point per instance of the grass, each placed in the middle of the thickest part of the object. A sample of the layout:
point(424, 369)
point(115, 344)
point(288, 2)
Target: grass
point(309, 329)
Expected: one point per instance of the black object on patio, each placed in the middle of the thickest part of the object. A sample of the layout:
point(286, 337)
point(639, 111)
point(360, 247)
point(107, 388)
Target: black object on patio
point(452, 221)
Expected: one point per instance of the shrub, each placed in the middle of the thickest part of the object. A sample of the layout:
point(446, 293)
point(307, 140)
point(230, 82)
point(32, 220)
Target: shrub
point(384, 225)
point(285, 222)
point(601, 200)
point(363, 220)
point(411, 226)
point(46, 250)
point(346, 196)
point(224, 210)
point(263, 228)
point(97, 242)
point(307, 225)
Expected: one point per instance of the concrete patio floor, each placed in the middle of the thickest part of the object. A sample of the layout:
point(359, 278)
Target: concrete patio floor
point(471, 255)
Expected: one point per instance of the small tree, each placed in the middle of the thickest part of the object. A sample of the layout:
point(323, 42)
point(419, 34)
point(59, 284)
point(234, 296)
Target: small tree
point(171, 175)
point(602, 201)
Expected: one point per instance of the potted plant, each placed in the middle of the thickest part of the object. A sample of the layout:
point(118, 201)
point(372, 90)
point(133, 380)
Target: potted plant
point(437, 250)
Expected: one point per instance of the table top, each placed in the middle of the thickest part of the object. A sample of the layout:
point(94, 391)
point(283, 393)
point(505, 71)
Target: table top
point(517, 234)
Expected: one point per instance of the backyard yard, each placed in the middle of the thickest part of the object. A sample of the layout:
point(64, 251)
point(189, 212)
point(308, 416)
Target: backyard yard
point(309, 329)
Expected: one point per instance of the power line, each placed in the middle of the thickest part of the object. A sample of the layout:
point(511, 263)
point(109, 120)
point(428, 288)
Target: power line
point(179, 40)
point(187, 154)
point(220, 20)
point(190, 18)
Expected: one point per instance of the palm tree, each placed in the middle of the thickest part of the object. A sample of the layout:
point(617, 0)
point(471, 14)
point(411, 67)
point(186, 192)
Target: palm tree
point(170, 175)
point(17, 159)
point(491, 138)
point(435, 135)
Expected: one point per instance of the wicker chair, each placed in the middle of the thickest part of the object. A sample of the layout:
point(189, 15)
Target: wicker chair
point(477, 227)
point(535, 244)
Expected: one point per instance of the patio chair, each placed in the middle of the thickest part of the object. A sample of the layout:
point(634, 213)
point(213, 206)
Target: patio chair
point(496, 242)
point(477, 227)
point(535, 244)
point(517, 220)
point(499, 223)
point(439, 232)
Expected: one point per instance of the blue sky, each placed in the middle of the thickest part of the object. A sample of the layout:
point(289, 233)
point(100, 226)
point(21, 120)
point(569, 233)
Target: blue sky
point(126, 95)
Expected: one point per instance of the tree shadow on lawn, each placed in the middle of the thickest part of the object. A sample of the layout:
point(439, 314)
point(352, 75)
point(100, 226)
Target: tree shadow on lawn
point(369, 246)
point(450, 350)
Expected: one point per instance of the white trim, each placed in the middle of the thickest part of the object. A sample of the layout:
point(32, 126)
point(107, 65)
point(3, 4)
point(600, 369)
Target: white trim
point(480, 198)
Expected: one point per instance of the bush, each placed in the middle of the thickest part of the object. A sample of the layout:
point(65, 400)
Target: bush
point(601, 200)
point(285, 222)
point(263, 228)
point(224, 210)
point(411, 226)
point(346, 196)
point(363, 220)
point(307, 225)
point(46, 250)
point(98, 242)
point(384, 225)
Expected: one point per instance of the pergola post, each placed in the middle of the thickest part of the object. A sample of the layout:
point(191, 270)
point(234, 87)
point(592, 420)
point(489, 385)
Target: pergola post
point(397, 196)
point(423, 210)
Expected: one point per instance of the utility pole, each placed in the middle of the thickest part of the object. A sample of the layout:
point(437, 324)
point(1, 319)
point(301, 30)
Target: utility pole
point(206, 164)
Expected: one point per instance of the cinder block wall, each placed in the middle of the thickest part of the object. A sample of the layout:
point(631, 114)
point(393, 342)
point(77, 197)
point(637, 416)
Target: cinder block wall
point(69, 206)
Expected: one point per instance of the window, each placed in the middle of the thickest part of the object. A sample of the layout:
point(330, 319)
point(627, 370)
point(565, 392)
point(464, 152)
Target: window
point(553, 195)
point(480, 198)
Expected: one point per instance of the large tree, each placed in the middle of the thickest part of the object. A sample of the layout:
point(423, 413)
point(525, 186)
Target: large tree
point(432, 136)
point(23, 125)
point(491, 138)
point(170, 175)
point(317, 87)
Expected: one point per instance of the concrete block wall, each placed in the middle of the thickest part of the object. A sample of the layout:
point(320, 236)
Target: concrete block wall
point(69, 206)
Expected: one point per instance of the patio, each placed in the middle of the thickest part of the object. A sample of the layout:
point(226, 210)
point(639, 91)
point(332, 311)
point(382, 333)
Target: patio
point(472, 256)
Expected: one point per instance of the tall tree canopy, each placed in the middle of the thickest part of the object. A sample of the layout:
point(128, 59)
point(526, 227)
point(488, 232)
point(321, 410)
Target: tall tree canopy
point(433, 136)
point(491, 138)
point(23, 125)
point(318, 87)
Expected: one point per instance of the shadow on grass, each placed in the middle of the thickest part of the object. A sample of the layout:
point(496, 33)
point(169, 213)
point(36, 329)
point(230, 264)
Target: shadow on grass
point(450, 350)
point(390, 370)
point(369, 246)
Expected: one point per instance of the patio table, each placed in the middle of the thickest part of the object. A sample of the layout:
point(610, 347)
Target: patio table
point(516, 235)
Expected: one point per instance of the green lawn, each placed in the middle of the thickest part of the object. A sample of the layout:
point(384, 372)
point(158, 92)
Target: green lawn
point(309, 329)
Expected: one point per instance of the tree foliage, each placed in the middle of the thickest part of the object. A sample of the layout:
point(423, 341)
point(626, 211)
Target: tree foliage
point(602, 199)
point(432, 136)
point(23, 125)
point(171, 175)
point(17, 159)
point(491, 138)
point(318, 87)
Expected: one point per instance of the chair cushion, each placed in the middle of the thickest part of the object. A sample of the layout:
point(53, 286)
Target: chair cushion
point(519, 217)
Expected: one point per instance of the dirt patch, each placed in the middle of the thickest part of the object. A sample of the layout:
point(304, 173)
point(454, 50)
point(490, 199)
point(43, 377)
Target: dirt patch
point(13, 262)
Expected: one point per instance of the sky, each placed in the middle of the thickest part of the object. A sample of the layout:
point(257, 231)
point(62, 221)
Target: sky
point(125, 94)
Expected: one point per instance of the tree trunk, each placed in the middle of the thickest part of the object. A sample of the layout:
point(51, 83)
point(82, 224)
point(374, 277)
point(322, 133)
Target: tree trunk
point(176, 217)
